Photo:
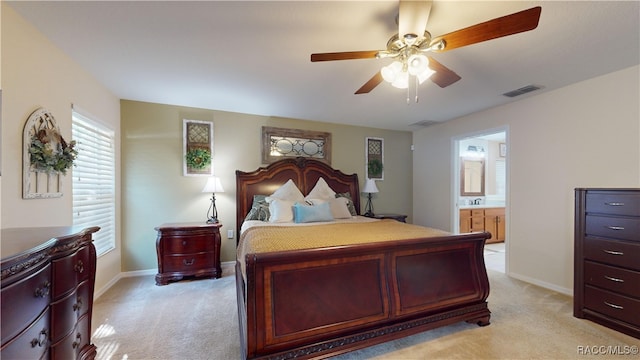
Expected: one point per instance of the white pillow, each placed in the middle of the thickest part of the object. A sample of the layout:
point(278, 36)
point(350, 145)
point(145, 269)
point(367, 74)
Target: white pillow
point(321, 191)
point(289, 192)
point(339, 207)
point(280, 211)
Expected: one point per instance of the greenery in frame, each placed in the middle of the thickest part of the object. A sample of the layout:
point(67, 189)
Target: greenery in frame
point(375, 167)
point(50, 156)
point(198, 158)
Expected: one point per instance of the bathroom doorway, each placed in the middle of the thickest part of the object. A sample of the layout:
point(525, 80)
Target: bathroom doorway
point(480, 194)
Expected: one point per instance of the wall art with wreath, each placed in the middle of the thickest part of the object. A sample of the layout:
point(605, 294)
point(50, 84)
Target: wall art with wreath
point(374, 162)
point(47, 156)
point(197, 148)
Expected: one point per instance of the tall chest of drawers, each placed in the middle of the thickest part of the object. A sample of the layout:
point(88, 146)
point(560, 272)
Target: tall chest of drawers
point(607, 258)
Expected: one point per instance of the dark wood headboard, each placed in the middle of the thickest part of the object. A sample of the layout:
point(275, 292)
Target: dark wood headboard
point(303, 171)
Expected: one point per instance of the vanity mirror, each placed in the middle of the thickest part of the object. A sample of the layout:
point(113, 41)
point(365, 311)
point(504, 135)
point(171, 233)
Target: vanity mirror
point(471, 177)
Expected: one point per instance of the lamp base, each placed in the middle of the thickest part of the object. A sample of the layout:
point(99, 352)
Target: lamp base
point(212, 221)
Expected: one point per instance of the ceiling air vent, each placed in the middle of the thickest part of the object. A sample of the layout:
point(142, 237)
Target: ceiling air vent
point(425, 123)
point(523, 90)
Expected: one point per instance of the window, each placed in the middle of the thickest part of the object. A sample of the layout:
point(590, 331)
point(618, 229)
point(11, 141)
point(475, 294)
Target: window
point(94, 180)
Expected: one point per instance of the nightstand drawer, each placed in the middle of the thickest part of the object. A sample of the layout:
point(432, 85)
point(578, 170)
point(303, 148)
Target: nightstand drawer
point(613, 227)
point(625, 282)
point(613, 252)
point(189, 262)
point(613, 203)
point(620, 307)
point(188, 244)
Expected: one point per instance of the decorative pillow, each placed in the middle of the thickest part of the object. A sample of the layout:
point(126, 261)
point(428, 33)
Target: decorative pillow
point(350, 205)
point(289, 192)
point(321, 191)
point(280, 211)
point(314, 213)
point(338, 206)
point(259, 209)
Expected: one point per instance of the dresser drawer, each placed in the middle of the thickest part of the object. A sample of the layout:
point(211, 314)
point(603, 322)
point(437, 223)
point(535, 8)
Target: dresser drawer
point(68, 271)
point(23, 301)
point(619, 203)
point(625, 282)
point(617, 306)
point(68, 310)
point(31, 344)
point(186, 263)
point(189, 244)
point(70, 346)
point(618, 253)
point(625, 228)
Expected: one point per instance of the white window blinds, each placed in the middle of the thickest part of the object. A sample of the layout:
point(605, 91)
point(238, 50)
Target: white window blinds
point(94, 180)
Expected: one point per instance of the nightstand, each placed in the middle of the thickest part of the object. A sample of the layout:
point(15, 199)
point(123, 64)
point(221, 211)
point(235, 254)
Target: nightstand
point(398, 217)
point(187, 249)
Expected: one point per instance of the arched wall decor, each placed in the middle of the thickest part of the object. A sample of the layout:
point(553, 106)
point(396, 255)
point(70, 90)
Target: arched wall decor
point(41, 130)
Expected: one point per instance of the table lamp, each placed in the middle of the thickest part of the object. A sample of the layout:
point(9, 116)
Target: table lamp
point(213, 186)
point(369, 188)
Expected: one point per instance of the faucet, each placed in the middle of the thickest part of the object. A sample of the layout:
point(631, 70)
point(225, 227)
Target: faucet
point(477, 201)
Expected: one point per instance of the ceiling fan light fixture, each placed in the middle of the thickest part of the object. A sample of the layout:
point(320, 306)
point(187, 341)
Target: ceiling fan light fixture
point(417, 64)
point(391, 72)
point(401, 81)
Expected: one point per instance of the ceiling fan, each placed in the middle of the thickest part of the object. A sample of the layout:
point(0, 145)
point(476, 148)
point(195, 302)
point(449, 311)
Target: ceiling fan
point(409, 46)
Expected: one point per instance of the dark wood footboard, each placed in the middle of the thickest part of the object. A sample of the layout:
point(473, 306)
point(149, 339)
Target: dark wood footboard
point(317, 303)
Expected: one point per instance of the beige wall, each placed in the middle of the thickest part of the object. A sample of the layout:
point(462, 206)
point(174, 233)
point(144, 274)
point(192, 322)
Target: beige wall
point(37, 74)
point(583, 135)
point(156, 192)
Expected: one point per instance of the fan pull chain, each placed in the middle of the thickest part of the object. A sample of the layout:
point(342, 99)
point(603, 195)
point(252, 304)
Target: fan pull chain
point(408, 95)
point(416, 88)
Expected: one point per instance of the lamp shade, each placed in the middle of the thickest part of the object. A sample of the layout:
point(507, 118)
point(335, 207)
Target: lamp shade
point(370, 186)
point(213, 185)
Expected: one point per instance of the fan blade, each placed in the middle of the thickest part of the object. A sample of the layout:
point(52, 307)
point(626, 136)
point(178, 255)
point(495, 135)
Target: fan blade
point(371, 84)
point(349, 55)
point(503, 26)
point(413, 16)
point(443, 76)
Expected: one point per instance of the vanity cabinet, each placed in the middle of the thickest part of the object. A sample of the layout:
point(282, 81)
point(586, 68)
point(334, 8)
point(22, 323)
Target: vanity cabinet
point(484, 219)
point(47, 286)
point(607, 258)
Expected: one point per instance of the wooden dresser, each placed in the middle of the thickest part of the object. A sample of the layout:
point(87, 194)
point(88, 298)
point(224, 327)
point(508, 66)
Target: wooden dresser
point(607, 258)
point(188, 249)
point(48, 279)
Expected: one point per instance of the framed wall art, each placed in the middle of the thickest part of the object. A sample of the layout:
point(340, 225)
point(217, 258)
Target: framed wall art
point(197, 148)
point(279, 143)
point(374, 161)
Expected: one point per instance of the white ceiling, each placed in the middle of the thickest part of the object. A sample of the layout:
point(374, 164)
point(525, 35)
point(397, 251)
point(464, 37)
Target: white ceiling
point(253, 57)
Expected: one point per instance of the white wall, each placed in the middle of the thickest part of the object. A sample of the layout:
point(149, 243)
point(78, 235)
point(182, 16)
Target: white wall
point(583, 135)
point(38, 74)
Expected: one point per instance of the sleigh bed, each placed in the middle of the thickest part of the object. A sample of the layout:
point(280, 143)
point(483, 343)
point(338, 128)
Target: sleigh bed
point(309, 299)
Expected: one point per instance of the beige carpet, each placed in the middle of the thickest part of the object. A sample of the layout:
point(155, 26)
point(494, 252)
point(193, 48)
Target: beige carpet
point(136, 319)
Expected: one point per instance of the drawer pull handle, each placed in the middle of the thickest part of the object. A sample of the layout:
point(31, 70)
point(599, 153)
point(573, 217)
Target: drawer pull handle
point(79, 267)
point(188, 263)
point(615, 227)
point(613, 279)
point(78, 341)
point(77, 306)
point(614, 305)
point(611, 252)
point(41, 340)
point(614, 203)
point(44, 290)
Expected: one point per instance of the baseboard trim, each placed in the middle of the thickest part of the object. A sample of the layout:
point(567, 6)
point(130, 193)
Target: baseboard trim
point(227, 268)
point(543, 284)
